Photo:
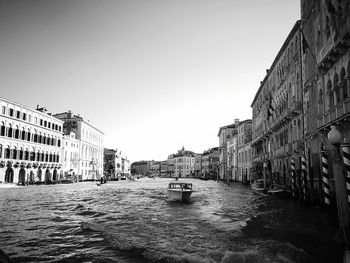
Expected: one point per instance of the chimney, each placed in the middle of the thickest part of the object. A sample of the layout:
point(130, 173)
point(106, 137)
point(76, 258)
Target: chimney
point(267, 70)
point(236, 122)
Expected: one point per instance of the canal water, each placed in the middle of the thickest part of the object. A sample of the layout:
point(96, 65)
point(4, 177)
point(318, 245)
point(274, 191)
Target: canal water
point(130, 221)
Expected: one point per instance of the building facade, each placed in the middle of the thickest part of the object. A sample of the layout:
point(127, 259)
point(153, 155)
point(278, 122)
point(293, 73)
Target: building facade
point(91, 144)
point(184, 163)
point(244, 151)
point(326, 87)
point(232, 157)
point(277, 114)
point(225, 133)
point(140, 167)
point(70, 157)
point(171, 165)
point(210, 164)
point(30, 144)
point(198, 166)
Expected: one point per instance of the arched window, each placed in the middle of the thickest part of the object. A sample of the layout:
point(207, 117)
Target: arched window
point(38, 156)
point(8, 152)
point(2, 130)
point(40, 137)
point(336, 89)
point(14, 154)
point(32, 155)
point(28, 135)
point(320, 96)
point(343, 84)
point(330, 95)
point(59, 143)
point(23, 135)
point(21, 154)
point(9, 131)
point(46, 157)
point(0, 150)
point(17, 132)
point(35, 136)
point(26, 155)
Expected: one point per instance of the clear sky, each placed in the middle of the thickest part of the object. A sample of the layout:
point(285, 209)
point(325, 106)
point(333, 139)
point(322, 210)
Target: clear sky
point(153, 75)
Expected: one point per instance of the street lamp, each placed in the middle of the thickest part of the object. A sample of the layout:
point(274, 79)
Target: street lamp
point(335, 138)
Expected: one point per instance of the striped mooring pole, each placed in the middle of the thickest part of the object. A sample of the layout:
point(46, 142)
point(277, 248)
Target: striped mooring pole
point(292, 166)
point(304, 174)
point(346, 161)
point(325, 178)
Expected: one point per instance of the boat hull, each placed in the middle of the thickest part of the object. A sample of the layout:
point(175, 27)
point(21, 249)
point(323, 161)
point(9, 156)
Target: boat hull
point(178, 195)
point(258, 186)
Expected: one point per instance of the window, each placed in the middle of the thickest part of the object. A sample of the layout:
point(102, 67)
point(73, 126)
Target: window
point(32, 155)
point(2, 130)
point(7, 153)
point(35, 120)
point(18, 114)
point(9, 132)
point(17, 132)
point(29, 118)
point(11, 112)
point(28, 136)
point(24, 116)
point(3, 110)
point(23, 137)
point(45, 123)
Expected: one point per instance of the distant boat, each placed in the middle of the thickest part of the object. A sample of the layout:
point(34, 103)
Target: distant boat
point(122, 177)
point(276, 189)
point(179, 192)
point(203, 177)
point(259, 185)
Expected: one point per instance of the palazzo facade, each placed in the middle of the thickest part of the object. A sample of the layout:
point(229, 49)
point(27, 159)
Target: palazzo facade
point(326, 83)
point(30, 144)
point(90, 160)
point(277, 114)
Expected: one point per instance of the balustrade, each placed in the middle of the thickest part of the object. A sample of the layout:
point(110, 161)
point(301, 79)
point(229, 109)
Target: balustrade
point(336, 112)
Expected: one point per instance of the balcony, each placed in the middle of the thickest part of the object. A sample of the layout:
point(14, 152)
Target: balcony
point(336, 113)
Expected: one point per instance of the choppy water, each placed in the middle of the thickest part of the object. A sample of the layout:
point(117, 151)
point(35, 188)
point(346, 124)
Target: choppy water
point(131, 222)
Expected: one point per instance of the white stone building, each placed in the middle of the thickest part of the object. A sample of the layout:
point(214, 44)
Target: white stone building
point(70, 156)
point(90, 147)
point(30, 144)
point(184, 163)
point(232, 155)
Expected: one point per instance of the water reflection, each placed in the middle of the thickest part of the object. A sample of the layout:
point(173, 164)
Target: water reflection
point(133, 222)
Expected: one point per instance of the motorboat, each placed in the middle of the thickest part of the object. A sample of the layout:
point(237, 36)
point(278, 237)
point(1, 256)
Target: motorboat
point(179, 191)
point(277, 189)
point(258, 185)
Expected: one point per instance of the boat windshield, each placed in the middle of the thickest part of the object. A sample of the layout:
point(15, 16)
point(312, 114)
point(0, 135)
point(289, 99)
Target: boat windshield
point(180, 186)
